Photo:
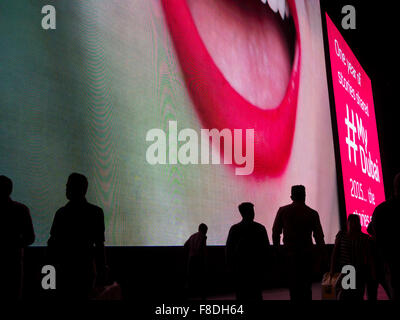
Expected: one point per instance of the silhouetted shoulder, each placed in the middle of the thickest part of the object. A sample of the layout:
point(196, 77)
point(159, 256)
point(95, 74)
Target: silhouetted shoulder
point(235, 227)
point(21, 210)
point(385, 212)
point(365, 237)
point(282, 211)
point(295, 207)
point(311, 210)
point(88, 207)
point(389, 205)
point(259, 226)
point(381, 205)
point(60, 212)
point(340, 234)
point(95, 208)
point(286, 208)
point(20, 206)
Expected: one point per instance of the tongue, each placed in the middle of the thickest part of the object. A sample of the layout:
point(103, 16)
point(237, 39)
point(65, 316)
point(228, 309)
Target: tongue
point(248, 44)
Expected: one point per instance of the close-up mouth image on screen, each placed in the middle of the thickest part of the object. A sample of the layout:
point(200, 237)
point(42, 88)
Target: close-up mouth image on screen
point(192, 150)
point(248, 71)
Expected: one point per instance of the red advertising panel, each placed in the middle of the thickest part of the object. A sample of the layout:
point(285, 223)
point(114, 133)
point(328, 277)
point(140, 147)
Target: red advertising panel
point(357, 132)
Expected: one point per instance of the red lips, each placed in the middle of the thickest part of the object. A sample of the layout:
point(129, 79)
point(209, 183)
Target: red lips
point(220, 106)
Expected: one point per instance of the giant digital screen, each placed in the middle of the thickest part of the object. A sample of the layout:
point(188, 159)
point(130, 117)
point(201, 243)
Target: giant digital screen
point(176, 111)
point(357, 132)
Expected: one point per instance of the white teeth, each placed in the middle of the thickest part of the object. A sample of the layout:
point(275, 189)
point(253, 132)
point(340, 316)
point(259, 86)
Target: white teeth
point(281, 8)
point(273, 4)
point(279, 5)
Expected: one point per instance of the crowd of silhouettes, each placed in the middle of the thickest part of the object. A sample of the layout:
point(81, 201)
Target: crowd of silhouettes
point(373, 256)
point(76, 247)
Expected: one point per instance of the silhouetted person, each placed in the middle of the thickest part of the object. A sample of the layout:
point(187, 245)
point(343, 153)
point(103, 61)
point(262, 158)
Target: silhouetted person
point(353, 247)
point(16, 233)
point(196, 253)
point(299, 223)
point(246, 252)
point(384, 227)
point(76, 242)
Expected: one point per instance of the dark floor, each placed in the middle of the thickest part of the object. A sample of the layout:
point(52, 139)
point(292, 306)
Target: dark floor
point(283, 294)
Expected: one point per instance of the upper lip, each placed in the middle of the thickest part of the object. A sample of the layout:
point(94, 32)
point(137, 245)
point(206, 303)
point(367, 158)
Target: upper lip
point(220, 106)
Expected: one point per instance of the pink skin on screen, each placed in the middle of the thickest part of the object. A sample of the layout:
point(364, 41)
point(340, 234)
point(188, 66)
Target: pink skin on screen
point(220, 106)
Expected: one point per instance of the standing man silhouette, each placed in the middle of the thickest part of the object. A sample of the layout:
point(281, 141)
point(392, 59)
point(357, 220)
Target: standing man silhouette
point(196, 256)
point(17, 233)
point(298, 222)
point(246, 252)
point(384, 229)
point(76, 242)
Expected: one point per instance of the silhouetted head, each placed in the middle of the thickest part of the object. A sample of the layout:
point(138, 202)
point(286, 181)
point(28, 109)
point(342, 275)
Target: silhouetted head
point(77, 186)
point(5, 187)
point(246, 210)
point(353, 224)
point(203, 228)
point(396, 185)
point(298, 193)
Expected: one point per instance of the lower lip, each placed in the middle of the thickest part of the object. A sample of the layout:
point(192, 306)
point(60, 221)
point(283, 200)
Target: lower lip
point(220, 106)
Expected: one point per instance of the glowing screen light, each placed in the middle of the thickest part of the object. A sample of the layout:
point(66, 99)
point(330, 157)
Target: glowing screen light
point(357, 132)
